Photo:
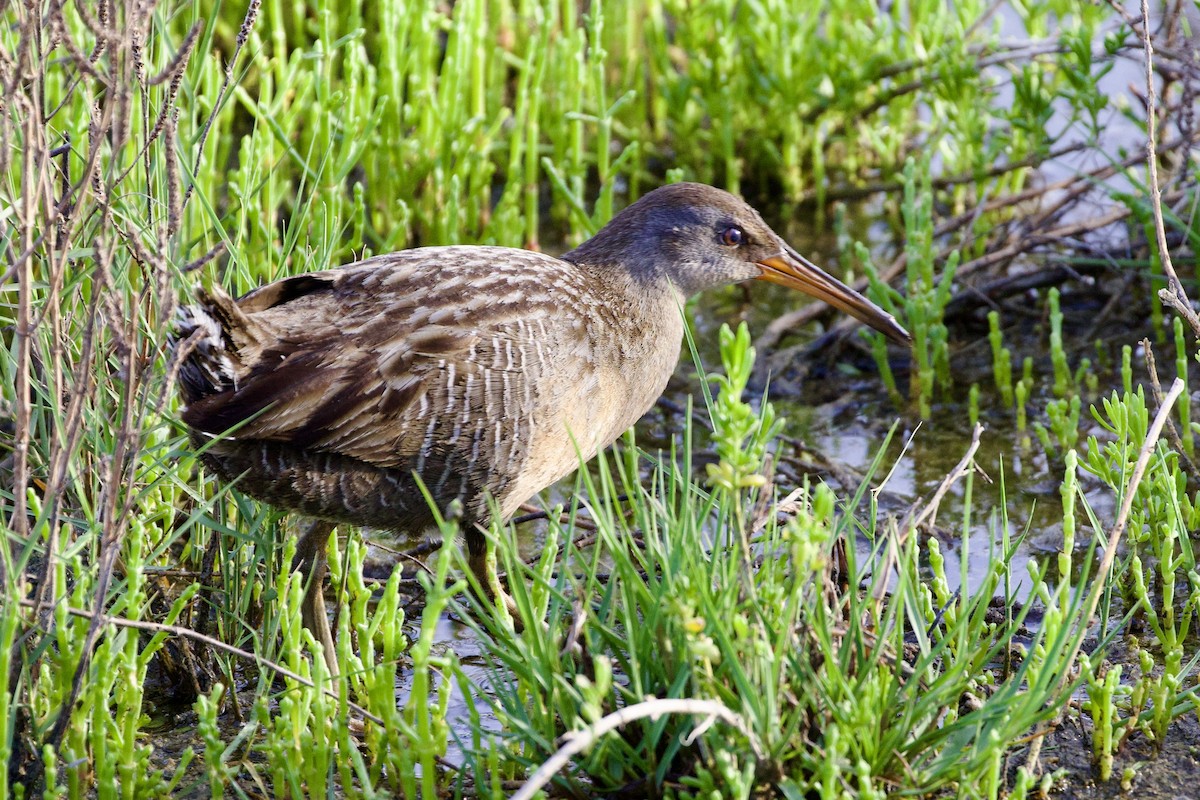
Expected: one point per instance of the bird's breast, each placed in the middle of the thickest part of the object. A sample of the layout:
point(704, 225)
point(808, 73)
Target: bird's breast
point(600, 388)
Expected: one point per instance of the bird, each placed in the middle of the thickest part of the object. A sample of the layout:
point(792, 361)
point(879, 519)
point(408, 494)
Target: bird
point(483, 374)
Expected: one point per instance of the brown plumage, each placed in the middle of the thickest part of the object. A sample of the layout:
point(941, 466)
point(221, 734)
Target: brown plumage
point(489, 372)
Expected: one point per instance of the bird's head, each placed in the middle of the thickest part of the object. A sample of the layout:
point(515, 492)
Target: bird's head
point(699, 237)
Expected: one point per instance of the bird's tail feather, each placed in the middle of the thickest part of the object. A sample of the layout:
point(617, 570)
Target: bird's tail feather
point(216, 331)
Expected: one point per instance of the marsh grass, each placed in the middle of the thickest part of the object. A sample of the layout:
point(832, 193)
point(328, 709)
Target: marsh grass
point(147, 147)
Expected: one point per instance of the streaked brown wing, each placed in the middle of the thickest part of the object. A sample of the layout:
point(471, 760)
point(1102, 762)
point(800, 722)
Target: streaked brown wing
point(395, 361)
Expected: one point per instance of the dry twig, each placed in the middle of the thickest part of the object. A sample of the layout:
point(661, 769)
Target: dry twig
point(577, 741)
point(1173, 296)
point(1173, 437)
point(919, 513)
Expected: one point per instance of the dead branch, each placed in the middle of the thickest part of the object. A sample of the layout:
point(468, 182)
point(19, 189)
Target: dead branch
point(919, 513)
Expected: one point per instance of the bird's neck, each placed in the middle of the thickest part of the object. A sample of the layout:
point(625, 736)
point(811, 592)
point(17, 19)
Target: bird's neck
point(629, 282)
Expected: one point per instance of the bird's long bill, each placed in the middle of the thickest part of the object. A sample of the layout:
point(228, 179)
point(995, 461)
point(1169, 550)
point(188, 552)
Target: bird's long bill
point(793, 270)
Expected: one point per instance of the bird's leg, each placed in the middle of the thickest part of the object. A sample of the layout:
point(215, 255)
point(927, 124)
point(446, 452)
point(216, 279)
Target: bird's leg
point(310, 558)
point(485, 572)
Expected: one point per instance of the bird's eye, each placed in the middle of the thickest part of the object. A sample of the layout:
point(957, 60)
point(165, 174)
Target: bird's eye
point(732, 236)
